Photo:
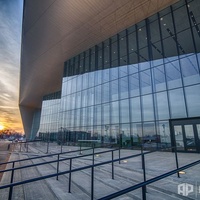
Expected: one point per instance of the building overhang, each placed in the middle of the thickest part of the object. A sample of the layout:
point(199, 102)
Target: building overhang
point(54, 31)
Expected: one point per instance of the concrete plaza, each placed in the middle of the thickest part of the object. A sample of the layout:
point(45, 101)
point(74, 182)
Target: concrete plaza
point(128, 173)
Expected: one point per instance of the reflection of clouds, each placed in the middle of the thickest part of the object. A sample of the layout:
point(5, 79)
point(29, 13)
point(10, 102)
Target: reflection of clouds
point(10, 45)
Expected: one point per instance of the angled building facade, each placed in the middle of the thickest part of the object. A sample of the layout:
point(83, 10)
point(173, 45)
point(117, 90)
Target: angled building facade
point(128, 76)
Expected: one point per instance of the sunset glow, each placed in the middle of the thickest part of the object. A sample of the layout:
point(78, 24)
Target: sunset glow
point(1, 127)
point(10, 40)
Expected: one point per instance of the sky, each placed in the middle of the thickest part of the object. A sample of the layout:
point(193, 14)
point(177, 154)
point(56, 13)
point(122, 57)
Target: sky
point(10, 49)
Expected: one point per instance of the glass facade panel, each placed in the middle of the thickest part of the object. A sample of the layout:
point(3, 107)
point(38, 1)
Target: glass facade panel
point(173, 74)
point(177, 103)
point(135, 109)
point(134, 89)
point(145, 80)
point(136, 134)
point(193, 100)
point(125, 135)
point(115, 112)
point(147, 108)
point(179, 137)
point(163, 133)
point(190, 70)
point(159, 83)
point(162, 105)
point(124, 111)
point(150, 138)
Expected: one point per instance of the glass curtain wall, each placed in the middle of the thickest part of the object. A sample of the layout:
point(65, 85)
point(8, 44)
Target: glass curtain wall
point(125, 89)
point(50, 116)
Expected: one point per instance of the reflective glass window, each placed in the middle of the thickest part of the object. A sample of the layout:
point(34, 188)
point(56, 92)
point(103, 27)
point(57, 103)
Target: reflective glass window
point(180, 16)
point(98, 94)
point(106, 113)
point(193, 100)
point(114, 93)
point(150, 138)
point(114, 130)
point(133, 68)
point(123, 87)
point(145, 80)
point(190, 70)
point(105, 75)
point(162, 105)
point(85, 81)
point(98, 77)
point(115, 112)
point(90, 100)
point(159, 78)
point(114, 73)
point(124, 111)
point(99, 57)
point(91, 77)
point(173, 74)
point(106, 93)
point(134, 88)
point(123, 71)
point(177, 103)
point(78, 100)
point(97, 115)
point(77, 117)
point(106, 54)
point(114, 54)
point(125, 135)
point(135, 109)
point(136, 134)
point(92, 59)
point(147, 107)
point(84, 98)
point(164, 133)
point(79, 83)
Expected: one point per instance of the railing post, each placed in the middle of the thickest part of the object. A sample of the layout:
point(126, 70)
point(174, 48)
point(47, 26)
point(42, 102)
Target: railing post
point(70, 168)
point(92, 182)
point(61, 144)
point(20, 147)
point(11, 181)
point(80, 149)
point(27, 147)
point(93, 154)
point(58, 166)
point(119, 155)
point(112, 165)
point(48, 145)
point(176, 158)
point(144, 175)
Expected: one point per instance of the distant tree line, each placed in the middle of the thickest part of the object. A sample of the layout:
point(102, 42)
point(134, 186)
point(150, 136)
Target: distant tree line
point(7, 133)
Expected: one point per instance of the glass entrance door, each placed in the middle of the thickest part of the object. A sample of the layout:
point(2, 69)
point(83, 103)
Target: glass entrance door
point(185, 134)
point(190, 143)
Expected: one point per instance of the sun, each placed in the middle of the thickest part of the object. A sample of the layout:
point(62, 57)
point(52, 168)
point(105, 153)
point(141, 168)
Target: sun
point(1, 127)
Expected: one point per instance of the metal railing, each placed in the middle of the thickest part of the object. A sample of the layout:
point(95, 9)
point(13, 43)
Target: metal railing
point(145, 183)
point(58, 160)
point(92, 166)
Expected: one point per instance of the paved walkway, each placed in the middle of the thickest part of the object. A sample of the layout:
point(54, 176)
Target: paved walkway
point(4, 154)
point(126, 174)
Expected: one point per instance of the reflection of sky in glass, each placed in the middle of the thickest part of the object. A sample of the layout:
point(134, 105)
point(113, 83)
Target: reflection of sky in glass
point(108, 87)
